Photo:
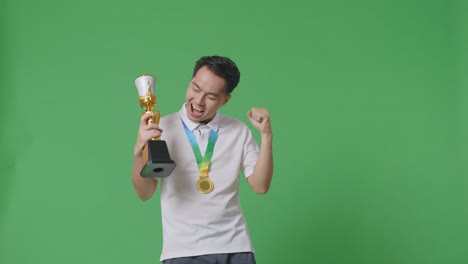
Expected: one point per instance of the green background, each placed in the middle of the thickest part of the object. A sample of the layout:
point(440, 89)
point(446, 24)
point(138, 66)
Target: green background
point(368, 101)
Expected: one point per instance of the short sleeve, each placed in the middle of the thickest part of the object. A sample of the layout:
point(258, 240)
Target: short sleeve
point(249, 155)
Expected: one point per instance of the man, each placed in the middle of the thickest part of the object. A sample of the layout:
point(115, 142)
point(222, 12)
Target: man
point(201, 215)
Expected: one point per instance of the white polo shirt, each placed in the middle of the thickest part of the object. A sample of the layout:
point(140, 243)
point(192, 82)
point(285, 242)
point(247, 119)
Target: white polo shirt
point(198, 224)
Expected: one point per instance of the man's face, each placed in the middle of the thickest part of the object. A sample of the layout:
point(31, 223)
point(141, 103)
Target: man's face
point(205, 95)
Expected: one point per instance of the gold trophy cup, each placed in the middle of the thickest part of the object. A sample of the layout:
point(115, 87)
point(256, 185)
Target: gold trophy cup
point(159, 163)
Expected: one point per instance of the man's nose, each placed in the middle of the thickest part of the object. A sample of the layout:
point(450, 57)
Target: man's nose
point(199, 99)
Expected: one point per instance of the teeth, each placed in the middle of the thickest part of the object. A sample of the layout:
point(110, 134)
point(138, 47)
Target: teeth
point(196, 108)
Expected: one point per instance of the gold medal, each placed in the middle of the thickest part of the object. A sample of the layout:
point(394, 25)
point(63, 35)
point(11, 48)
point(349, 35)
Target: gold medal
point(205, 185)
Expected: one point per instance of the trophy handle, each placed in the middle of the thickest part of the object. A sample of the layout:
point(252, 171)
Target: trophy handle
point(154, 120)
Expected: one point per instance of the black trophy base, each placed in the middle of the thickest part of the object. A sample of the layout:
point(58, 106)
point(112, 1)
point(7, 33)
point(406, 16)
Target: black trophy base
point(159, 163)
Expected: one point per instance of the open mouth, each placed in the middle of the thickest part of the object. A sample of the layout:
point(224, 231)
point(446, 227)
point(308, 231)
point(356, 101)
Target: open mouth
point(196, 111)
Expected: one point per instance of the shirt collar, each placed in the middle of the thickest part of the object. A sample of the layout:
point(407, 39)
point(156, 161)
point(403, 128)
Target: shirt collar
point(213, 124)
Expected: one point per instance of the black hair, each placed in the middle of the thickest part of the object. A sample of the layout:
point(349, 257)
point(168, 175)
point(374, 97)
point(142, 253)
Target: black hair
point(222, 67)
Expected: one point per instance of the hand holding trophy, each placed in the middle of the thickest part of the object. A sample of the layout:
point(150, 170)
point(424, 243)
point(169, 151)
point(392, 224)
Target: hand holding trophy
point(159, 163)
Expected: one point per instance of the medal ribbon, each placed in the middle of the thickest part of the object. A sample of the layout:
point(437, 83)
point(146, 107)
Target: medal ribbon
point(203, 162)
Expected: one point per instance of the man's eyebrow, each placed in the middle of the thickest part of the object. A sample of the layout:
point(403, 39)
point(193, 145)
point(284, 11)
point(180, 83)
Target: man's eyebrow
point(213, 94)
point(196, 84)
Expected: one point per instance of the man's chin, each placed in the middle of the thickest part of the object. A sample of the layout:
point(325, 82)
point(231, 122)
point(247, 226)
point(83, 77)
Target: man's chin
point(196, 119)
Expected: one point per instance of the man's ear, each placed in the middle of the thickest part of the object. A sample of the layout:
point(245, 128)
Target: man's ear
point(227, 99)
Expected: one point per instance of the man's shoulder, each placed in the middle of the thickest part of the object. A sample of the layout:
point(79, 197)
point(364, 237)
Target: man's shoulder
point(170, 119)
point(233, 122)
point(171, 116)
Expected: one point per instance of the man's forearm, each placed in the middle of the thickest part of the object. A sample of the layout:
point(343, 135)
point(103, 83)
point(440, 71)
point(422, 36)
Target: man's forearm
point(260, 180)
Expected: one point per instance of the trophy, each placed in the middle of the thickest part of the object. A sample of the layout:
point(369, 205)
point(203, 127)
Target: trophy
point(159, 163)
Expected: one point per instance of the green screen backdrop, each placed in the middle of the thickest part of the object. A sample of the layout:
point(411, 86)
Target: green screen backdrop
point(368, 101)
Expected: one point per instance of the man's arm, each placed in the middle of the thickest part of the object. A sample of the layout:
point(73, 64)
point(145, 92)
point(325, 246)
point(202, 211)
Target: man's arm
point(260, 180)
point(144, 187)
